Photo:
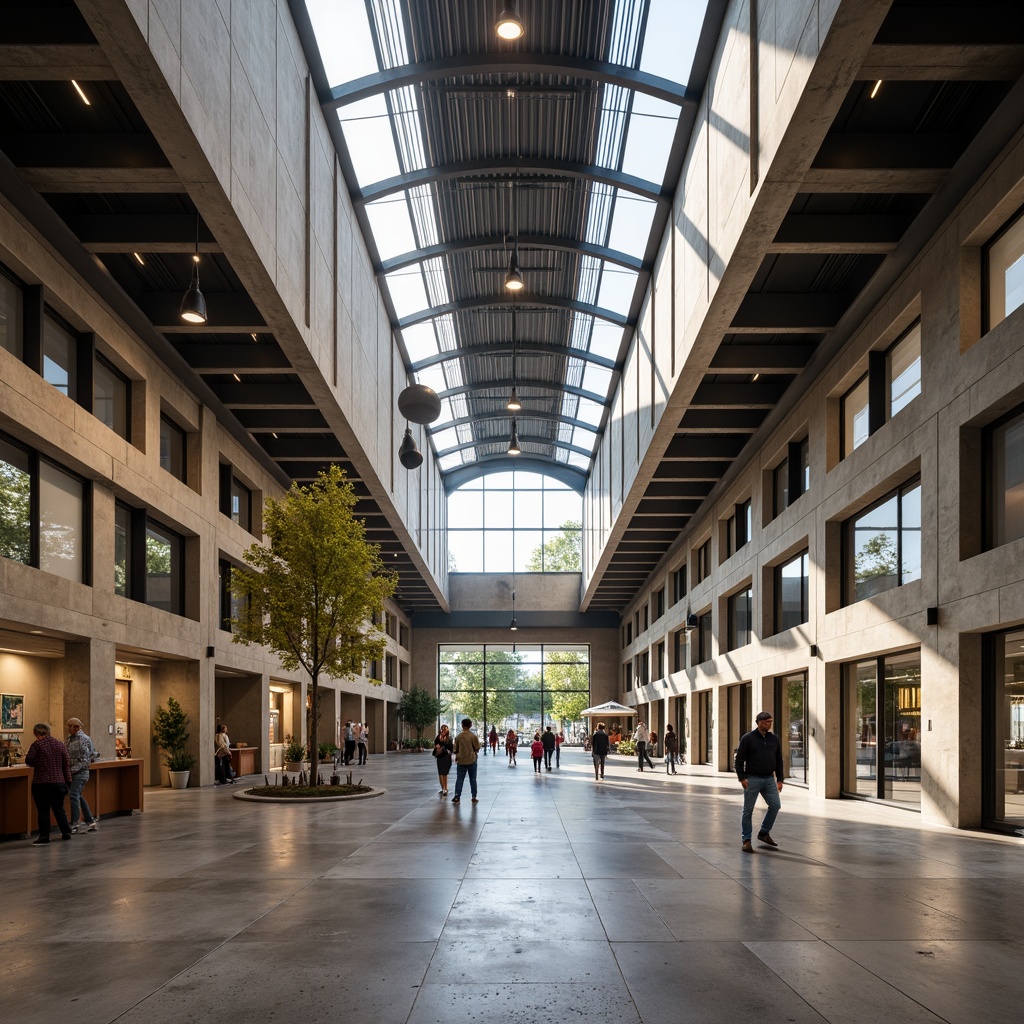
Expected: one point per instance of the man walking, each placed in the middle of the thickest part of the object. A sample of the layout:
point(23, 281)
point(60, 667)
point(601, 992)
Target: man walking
point(467, 746)
point(548, 742)
point(599, 749)
point(81, 754)
point(760, 770)
point(640, 738)
point(350, 743)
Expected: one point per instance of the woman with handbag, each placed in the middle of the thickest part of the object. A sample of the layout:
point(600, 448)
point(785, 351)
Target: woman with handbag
point(222, 757)
point(443, 748)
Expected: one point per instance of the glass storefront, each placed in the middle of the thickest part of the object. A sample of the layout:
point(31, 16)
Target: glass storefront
point(881, 711)
point(1004, 732)
point(791, 723)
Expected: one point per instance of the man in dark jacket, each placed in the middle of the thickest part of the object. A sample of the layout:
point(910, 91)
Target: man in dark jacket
point(599, 750)
point(760, 770)
point(548, 742)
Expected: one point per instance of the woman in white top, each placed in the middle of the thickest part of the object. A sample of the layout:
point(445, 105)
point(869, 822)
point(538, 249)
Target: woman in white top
point(222, 757)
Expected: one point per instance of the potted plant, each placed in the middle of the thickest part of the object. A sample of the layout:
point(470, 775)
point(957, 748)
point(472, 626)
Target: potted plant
point(295, 758)
point(170, 730)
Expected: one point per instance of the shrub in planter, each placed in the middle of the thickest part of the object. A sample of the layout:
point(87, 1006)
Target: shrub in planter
point(294, 750)
point(626, 747)
point(170, 730)
point(325, 751)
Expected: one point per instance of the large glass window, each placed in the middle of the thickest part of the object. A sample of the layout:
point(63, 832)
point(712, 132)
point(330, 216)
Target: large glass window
point(791, 477)
point(231, 606)
point(111, 396)
point(704, 652)
point(903, 370)
point(164, 568)
point(11, 317)
point(791, 723)
point(1004, 264)
point(883, 544)
point(679, 584)
point(1005, 462)
point(702, 562)
point(59, 357)
point(172, 448)
point(15, 503)
point(517, 521)
point(61, 523)
point(737, 528)
point(740, 618)
point(123, 550)
point(881, 728)
point(42, 514)
point(791, 592)
point(854, 411)
point(522, 687)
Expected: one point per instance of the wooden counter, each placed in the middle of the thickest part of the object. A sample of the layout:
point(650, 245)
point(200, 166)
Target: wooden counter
point(114, 787)
point(243, 760)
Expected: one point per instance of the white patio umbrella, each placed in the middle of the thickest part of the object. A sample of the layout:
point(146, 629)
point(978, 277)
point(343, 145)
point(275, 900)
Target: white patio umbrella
point(610, 709)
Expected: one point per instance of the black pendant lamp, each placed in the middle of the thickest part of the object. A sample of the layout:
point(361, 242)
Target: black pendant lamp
point(509, 25)
point(408, 454)
point(514, 276)
point(513, 626)
point(193, 305)
point(513, 442)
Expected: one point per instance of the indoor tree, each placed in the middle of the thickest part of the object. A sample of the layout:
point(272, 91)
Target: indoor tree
point(419, 708)
point(312, 592)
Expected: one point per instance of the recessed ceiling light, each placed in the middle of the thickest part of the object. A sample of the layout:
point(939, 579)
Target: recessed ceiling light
point(874, 92)
point(78, 89)
point(139, 259)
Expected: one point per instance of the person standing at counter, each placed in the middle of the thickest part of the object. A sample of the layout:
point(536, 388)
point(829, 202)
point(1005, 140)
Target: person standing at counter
point(81, 754)
point(51, 767)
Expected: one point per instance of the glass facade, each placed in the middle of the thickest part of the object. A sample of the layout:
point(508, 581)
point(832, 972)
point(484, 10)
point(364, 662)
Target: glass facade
point(515, 686)
point(1003, 732)
point(110, 403)
point(515, 522)
point(883, 544)
point(791, 723)
point(1005, 461)
point(881, 728)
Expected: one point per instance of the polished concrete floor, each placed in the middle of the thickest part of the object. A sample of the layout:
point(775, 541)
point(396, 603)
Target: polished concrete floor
point(554, 898)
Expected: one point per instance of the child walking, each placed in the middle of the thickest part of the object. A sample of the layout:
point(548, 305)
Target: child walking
point(537, 750)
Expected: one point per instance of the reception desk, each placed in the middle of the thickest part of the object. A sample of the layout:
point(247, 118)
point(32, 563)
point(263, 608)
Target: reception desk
point(243, 760)
point(114, 787)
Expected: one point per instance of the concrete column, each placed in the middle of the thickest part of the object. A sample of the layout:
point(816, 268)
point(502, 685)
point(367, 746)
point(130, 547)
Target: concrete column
point(87, 691)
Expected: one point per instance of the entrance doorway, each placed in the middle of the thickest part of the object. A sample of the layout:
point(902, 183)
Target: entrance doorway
point(703, 745)
point(1003, 731)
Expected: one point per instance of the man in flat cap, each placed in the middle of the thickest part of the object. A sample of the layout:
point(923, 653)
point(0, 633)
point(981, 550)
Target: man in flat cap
point(760, 770)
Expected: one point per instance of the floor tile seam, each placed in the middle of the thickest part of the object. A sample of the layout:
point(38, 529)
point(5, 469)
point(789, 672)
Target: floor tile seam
point(830, 944)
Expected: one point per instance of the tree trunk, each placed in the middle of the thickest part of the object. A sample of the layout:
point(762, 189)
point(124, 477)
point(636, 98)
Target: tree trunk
point(314, 704)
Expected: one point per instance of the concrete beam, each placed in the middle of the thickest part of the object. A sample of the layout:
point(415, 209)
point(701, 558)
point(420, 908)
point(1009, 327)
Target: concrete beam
point(84, 62)
point(800, 313)
point(839, 233)
point(152, 233)
point(220, 357)
point(767, 359)
point(944, 62)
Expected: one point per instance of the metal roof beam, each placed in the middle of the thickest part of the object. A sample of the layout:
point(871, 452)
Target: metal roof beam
point(523, 414)
point(502, 302)
point(533, 348)
point(523, 438)
point(500, 242)
point(546, 167)
point(507, 382)
point(487, 464)
point(510, 62)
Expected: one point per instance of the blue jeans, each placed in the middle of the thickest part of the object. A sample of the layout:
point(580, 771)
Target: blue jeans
point(767, 786)
point(461, 772)
point(78, 781)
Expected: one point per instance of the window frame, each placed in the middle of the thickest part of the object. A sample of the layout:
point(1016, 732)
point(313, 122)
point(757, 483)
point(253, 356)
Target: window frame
point(175, 431)
point(732, 626)
point(1013, 225)
point(105, 365)
point(989, 502)
point(777, 598)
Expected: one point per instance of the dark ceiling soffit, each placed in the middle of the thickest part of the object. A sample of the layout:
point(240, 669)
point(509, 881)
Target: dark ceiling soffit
point(525, 167)
point(529, 348)
point(553, 417)
point(507, 382)
point(524, 619)
point(524, 438)
point(429, 252)
point(568, 475)
point(45, 221)
point(502, 302)
point(509, 63)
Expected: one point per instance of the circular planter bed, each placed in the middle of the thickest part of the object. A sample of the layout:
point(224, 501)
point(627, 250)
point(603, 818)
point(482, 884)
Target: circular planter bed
point(306, 794)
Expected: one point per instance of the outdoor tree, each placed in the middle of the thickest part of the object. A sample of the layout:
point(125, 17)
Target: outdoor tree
point(563, 553)
point(875, 560)
point(463, 672)
point(311, 593)
point(567, 678)
point(15, 513)
point(419, 708)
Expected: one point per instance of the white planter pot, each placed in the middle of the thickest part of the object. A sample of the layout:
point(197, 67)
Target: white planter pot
point(179, 780)
point(297, 766)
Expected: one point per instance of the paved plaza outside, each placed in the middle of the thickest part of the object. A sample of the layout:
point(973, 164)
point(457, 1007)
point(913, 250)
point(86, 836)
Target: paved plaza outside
point(554, 898)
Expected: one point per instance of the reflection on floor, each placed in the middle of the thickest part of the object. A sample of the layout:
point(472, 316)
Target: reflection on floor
point(553, 898)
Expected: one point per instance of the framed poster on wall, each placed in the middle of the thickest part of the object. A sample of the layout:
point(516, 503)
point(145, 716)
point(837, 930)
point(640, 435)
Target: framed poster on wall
point(12, 712)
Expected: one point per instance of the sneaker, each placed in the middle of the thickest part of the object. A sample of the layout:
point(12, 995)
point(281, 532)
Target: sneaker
point(40, 842)
point(747, 846)
point(74, 830)
point(764, 837)
point(474, 801)
point(455, 800)
point(94, 826)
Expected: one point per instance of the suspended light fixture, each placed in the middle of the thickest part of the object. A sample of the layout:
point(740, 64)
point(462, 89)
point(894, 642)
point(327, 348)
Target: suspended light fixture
point(514, 276)
point(419, 404)
point(513, 626)
point(509, 25)
point(513, 443)
point(513, 404)
point(408, 454)
point(193, 305)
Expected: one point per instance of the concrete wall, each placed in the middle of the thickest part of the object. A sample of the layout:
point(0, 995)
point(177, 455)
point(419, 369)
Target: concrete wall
point(969, 379)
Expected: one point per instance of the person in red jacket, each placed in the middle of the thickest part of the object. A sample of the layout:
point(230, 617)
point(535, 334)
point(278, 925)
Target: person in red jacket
point(537, 750)
point(51, 778)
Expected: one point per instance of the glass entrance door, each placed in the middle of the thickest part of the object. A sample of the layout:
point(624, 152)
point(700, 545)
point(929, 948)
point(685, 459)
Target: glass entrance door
point(1003, 731)
point(791, 723)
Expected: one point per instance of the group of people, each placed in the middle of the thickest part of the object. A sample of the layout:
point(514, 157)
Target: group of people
point(60, 769)
point(356, 737)
point(463, 749)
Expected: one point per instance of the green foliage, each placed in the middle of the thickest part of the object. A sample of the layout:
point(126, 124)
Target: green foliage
point(876, 557)
point(625, 746)
point(419, 743)
point(15, 513)
point(326, 750)
point(170, 730)
point(294, 749)
point(419, 708)
point(563, 553)
point(312, 592)
point(307, 792)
